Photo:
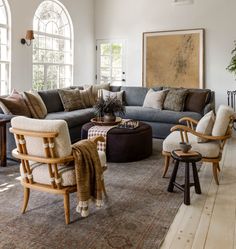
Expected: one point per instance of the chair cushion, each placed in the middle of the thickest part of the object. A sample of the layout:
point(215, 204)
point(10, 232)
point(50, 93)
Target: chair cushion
point(222, 120)
point(210, 149)
point(35, 145)
point(67, 173)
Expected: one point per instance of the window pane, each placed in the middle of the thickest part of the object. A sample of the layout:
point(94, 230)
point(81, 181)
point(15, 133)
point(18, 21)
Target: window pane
point(116, 48)
point(49, 41)
point(105, 61)
point(3, 53)
point(105, 49)
point(3, 36)
point(116, 73)
point(3, 17)
point(117, 60)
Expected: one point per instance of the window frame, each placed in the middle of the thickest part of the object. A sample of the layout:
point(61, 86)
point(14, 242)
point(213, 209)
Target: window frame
point(70, 38)
point(7, 62)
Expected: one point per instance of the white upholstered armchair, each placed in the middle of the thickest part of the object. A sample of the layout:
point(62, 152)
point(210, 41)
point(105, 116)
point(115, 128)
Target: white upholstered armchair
point(211, 146)
point(44, 148)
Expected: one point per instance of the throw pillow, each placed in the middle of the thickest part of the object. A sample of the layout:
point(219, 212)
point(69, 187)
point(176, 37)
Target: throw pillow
point(71, 99)
point(205, 125)
point(35, 104)
point(195, 101)
point(222, 120)
point(106, 94)
point(175, 99)
point(87, 97)
point(155, 99)
point(14, 104)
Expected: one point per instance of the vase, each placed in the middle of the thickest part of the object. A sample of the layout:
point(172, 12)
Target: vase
point(109, 117)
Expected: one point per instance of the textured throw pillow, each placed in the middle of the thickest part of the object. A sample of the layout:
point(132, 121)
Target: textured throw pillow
point(71, 99)
point(107, 94)
point(195, 101)
point(35, 104)
point(14, 104)
point(87, 97)
point(205, 125)
point(155, 99)
point(175, 99)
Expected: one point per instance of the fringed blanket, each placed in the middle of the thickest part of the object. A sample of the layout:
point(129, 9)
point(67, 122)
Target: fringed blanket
point(89, 175)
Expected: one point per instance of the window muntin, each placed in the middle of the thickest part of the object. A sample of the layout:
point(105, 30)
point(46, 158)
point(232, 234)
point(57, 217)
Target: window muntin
point(52, 47)
point(4, 47)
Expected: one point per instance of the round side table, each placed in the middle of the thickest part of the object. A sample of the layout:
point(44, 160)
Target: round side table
point(186, 186)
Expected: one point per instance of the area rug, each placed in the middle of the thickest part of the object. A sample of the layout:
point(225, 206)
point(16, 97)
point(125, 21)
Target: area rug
point(137, 213)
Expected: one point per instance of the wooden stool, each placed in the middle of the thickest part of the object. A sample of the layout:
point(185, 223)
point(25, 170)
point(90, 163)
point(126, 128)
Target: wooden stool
point(185, 187)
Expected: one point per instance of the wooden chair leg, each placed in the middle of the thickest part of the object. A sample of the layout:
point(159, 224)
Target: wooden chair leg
point(104, 189)
point(166, 166)
point(215, 173)
point(26, 199)
point(218, 167)
point(67, 207)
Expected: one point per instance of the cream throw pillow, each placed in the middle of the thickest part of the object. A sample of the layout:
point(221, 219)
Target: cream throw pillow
point(35, 104)
point(222, 120)
point(106, 94)
point(205, 125)
point(87, 97)
point(155, 99)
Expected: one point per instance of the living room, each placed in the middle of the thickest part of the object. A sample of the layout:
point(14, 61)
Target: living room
point(139, 212)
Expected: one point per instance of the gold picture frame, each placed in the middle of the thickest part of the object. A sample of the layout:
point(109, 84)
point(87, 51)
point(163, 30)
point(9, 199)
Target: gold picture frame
point(174, 58)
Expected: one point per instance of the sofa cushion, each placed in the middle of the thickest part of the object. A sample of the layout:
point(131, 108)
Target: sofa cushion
point(14, 104)
point(196, 100)
point(175, 99)
point(35, 104)
point(97, 87)
point(134, 96)
point(73, 118)
point(154, 115)
point(211, 149)
point(52, 100)
point(155, 99)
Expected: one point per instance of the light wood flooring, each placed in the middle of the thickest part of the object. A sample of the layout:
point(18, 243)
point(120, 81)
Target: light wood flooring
point(209, 222)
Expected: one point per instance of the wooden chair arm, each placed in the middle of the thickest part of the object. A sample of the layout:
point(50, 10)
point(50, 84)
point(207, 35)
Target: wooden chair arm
point(97, 139)
point(187, 129)
point(191, 120)
point(59, 160)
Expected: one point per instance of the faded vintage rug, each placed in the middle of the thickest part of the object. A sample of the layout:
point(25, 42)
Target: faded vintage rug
point(137, 214)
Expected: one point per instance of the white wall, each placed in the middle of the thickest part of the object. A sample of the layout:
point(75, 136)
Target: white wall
point(82, 15)
point(128, 19)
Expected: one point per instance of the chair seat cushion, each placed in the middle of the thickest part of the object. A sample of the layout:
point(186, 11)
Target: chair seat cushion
point(210, 149)
point(67, 173)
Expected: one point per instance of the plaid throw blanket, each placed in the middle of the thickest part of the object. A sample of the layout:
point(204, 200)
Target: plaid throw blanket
point(89, 175)
point(97, 130)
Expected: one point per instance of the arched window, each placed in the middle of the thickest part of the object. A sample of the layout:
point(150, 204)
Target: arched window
point(4, 47)
point(52, 47)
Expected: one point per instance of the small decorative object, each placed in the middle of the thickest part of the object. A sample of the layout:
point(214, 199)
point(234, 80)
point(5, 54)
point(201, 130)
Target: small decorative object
point(107, 109)
point(129, 124)
point(232, 66)
point(100, 121)
point(185, 147)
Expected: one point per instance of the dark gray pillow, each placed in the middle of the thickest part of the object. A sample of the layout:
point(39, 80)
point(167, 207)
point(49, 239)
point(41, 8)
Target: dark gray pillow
point(175, 99)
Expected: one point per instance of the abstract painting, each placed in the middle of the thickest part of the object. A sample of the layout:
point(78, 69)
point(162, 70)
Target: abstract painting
point(173, 58)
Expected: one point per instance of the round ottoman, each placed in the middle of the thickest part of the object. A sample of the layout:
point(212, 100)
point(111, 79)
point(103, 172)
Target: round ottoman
point(126, 145)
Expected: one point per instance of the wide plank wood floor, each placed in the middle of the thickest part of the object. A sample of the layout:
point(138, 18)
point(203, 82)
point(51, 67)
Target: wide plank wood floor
point(209, 222)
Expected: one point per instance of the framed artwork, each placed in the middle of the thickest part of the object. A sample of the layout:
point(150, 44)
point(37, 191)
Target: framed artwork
point(174, 58)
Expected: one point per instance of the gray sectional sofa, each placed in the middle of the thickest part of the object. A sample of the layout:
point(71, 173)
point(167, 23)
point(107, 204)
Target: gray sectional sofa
point(160, 120)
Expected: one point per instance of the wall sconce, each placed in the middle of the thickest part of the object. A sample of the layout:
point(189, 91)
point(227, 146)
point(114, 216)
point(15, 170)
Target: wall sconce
point(28, 38)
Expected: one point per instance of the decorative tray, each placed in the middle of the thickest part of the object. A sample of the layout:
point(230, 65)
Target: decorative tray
point(129, 124)
point(99, 121)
